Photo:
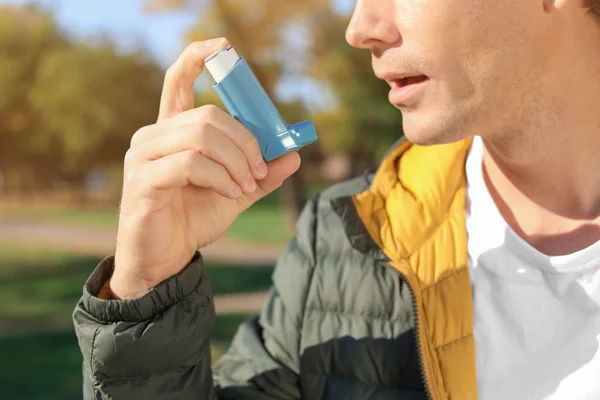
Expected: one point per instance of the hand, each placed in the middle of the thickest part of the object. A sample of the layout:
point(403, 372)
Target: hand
point(187, 178)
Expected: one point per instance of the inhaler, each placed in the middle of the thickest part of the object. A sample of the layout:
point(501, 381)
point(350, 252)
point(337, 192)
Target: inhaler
point(246, 100)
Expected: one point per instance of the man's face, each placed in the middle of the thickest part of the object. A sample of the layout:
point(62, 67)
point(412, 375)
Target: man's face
point(474, 65)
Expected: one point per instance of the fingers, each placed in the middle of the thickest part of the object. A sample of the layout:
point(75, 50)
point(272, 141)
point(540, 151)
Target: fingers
point(279, 170)
point(238, 134)
point(189, 167)
point(207, 140)
point(164, 127)
point(178, 89)
point(216, 121)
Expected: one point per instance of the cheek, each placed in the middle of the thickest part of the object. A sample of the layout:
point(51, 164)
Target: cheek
point(478, 53)
point(489, 57)
point(445, 37)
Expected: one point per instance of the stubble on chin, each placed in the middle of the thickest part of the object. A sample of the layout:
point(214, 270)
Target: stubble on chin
point(429, 130)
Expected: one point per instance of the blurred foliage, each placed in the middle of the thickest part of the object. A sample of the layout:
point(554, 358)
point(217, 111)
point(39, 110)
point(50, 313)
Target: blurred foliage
point(67, 107)
point(362, 122)
point(70, 107)
point(264, 32)
point(260, 31)
point(277, 38)
point(306, 40)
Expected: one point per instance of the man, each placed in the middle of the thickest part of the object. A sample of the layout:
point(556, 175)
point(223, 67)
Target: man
point(466, 267)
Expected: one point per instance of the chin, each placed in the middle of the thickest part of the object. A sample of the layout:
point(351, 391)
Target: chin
point(429, 130)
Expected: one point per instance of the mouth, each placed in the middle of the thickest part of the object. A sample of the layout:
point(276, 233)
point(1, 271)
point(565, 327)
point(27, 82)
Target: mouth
point(407, 81)
point(405, 88)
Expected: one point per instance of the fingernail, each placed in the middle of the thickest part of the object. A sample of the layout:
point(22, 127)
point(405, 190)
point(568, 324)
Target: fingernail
point(251, 183)
point(213, 42)
point(261, 168)
point(236, 190)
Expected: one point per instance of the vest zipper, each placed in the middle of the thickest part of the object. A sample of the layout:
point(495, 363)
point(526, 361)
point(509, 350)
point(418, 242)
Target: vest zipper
point(417, 329)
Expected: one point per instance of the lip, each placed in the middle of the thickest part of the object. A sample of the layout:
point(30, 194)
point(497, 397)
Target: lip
point(401, 94)
point(391, 77)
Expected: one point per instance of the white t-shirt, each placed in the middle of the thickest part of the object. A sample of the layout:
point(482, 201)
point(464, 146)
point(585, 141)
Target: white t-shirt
point(537, 318)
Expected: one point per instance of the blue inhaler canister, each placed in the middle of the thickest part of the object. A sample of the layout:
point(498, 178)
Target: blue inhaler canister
point(246, 100)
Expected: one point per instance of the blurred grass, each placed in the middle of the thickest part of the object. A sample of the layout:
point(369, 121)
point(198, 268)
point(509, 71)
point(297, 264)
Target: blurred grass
point(42, 366)
point(261, 225)
point(39, 287)
point(41, 282)
point(264, 223)
point(37, 282)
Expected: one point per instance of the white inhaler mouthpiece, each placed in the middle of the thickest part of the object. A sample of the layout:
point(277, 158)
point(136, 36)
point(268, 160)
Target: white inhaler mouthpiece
point(220, 63)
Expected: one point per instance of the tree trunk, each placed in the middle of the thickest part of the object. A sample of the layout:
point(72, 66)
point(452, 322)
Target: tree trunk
point(293, 199)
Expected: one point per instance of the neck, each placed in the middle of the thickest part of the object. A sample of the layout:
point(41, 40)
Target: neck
point(544, 172)
point(560, 174)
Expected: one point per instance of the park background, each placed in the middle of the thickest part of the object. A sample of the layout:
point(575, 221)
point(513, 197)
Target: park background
point(78, 78)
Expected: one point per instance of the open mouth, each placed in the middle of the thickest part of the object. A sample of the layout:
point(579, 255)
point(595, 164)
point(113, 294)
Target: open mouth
point(410, 80)
point(406, 89)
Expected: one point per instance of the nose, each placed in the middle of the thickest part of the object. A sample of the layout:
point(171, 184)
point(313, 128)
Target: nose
point(372, 25)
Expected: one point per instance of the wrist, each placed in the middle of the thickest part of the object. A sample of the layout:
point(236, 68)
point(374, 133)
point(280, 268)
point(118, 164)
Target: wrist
point(126, 285)
point(132, 278)
point(128, 280)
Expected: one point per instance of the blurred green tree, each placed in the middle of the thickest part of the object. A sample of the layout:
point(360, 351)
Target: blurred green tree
point(361, 122)
point(26, 36)
point(68, 107)
point(91, 100)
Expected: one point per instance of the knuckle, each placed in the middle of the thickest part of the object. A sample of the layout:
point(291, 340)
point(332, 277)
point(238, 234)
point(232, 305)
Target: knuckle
point(209, 111)
point(196, 116)
point(130, 157)
point(189, 159)
point(190, 48)
point(133, 176)
point(201, 127)
point(172, 72)
point(193, 47)
point(137, 137)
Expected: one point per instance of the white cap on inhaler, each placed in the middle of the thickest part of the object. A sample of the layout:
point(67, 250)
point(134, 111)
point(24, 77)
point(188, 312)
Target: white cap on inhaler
point(220, 63)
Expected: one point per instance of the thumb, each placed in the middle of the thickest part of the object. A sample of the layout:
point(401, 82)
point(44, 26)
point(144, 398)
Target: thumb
point(279, 170)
